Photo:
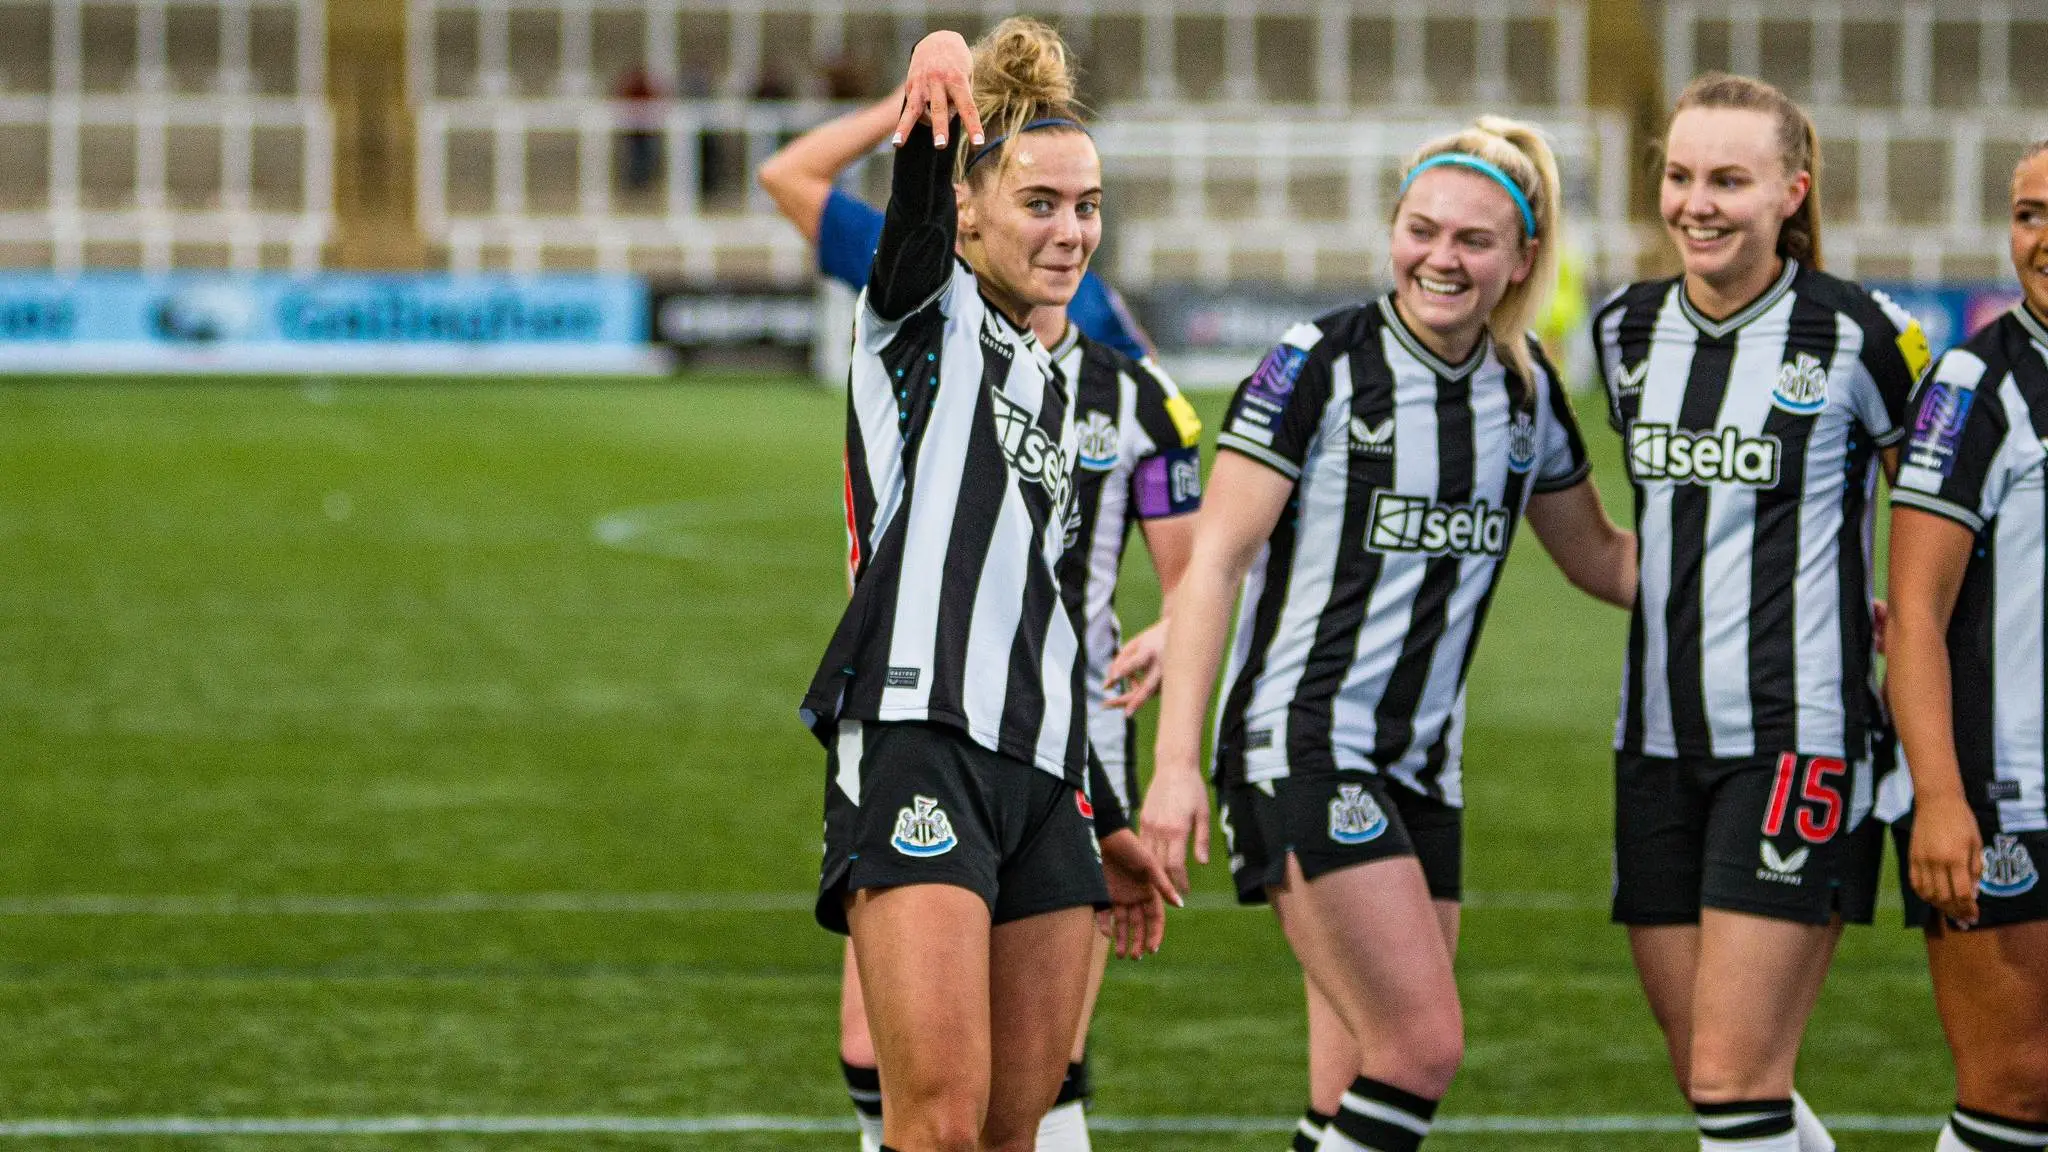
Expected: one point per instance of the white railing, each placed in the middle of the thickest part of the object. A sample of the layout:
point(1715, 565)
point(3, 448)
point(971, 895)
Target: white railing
point(1333, 232)
point(1479, 48)
point(1883, 53)
point(243, 52)
point(233, 214)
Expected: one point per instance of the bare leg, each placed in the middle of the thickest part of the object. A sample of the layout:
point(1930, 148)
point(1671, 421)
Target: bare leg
point(923, 953)
point(1991, 988)
point(1758, 982)
point(1038, 981)
point(1332, 1055)
point(1668, 963)
point(855, 1045)
point(1391, 986)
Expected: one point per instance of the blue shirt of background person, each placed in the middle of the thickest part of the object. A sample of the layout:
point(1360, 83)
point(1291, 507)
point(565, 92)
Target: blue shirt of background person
point(850, 228)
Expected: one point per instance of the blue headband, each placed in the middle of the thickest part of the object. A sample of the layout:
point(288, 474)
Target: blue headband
point(1485, 168)
point(1047, 122)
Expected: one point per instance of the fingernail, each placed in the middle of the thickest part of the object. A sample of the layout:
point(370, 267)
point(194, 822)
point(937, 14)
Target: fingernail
point(977, 139)
point(938, 141)
point(896, 139)
point(1178, 902)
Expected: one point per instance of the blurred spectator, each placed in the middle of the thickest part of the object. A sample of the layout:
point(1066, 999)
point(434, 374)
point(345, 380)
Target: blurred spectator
point(641, 96)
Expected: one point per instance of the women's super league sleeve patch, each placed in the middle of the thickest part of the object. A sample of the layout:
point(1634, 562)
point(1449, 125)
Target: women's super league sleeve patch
point(1273, 380)
point(1938, 428)
point(1167, 483)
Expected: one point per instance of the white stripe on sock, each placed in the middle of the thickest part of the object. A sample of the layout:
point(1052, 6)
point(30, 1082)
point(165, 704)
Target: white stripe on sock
point(1385, 1112)
point(2019, 1136)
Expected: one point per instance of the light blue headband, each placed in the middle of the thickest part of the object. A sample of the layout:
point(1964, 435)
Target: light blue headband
point(1485, 168)
point(1046, 122)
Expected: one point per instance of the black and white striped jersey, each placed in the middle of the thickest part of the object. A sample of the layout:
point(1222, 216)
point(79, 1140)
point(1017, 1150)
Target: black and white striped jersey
point(1357, 622)
point(1977, 457)
point(960, 443)
point(1138, 457)
point(1752, 443)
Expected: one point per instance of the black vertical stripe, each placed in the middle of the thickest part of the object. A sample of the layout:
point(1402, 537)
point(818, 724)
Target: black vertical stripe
point(1859, 706)
point(1635, 336)
point(1333, 652)
point(1700, 411)
point(983, 484)
point(1457, 457)
point(1097, 390)
point(1774, 546)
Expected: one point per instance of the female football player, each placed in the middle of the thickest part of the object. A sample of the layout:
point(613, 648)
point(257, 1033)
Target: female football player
point(1966, 677)
point(960, 849)
point(1139, 461)
point(1374, 468)
point(1755, 395)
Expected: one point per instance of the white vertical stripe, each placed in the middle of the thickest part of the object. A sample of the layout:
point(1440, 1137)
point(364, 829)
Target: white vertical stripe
point(875, 410)
point(1106, 729)
point(1817, 621)
point(851, 745)
point(927, 538)
point(1391, 607)
point(2017, 637)
point(1322, 491)
point(992, 628)
point(1062, 652)
point(1730, 557)
point(1671, 352)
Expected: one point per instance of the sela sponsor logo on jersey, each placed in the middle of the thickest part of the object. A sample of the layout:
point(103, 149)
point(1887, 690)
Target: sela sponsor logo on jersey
point(1782, 869)
point(1414, 524)
point(1097, 445)
point(1355, 817)
point(1035, 455)
point(1522, 443)
point(922, 829)
point(2008, 868)
point(1938, 429)
point(1372, 439)
point(1723, 456)
point(1802, 386)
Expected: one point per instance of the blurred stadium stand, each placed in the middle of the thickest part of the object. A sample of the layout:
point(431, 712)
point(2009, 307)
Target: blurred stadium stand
point(1243, 141)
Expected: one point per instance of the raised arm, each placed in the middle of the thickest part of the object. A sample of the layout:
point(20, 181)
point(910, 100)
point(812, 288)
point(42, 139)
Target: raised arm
point(915, 255)
point(800, 176)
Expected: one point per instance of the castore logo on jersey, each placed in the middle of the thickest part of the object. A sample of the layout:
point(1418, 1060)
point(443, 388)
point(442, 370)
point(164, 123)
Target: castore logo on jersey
point(1372, 439)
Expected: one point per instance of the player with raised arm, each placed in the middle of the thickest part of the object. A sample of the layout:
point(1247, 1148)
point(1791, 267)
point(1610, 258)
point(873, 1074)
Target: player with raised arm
point(1138, 459)
point(1967, 672)
point(1372, 472)
point(1756, 396)
point(960, 853)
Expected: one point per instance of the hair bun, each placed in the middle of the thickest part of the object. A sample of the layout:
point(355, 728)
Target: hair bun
point(1022, 61)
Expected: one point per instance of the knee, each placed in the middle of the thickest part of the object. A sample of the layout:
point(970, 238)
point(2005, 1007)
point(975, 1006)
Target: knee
point(940, 1119)
point(2012, 1083)
point(1430, 1053)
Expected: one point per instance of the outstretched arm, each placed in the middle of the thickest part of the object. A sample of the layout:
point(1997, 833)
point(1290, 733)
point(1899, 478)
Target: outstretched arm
point(1595, 554)
point(799, 178)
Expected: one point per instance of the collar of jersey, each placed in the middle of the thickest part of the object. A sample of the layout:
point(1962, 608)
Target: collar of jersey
point(1068, 341)
point(1420, 351)
point(2032, 323)
point(1743, 315)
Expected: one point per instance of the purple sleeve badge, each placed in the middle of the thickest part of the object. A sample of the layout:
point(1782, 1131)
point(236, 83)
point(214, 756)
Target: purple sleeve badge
point(1938, 428)
point(1274, 378)
point(1167, 484)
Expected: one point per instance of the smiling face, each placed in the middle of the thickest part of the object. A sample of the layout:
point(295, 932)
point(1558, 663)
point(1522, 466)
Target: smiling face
point(1457, 248)
point(1029, 230)
point(1726, 195)
point(2030, 230)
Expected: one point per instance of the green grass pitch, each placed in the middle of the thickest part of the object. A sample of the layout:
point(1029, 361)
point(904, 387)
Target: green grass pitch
point(478, 701)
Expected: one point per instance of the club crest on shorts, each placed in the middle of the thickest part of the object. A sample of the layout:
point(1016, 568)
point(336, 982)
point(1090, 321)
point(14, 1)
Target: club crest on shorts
point(1802, 385)
point(2008, 868)
point(1355, 817)
point(1782, 869)
point(923, 830)
point(1522, 443)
